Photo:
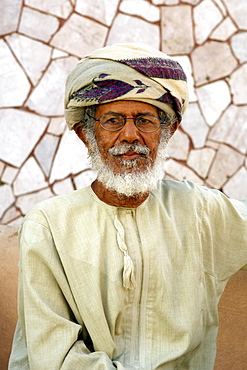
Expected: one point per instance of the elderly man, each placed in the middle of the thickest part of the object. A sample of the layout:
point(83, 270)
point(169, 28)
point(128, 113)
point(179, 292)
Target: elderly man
point(126, 273)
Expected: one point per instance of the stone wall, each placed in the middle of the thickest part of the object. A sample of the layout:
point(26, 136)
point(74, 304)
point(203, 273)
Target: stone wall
point(41, 41)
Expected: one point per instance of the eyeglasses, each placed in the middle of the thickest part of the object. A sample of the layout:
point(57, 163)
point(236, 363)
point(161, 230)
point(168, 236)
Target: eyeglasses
point(144, 122)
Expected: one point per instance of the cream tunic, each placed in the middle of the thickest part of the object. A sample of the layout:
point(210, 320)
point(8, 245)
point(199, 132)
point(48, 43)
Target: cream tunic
point(184, 241)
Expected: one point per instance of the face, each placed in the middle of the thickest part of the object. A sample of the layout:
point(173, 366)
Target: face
point(129, 134)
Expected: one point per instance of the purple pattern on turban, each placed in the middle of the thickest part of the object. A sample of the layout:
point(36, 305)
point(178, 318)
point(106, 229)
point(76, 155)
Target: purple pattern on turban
point(110, 89)
point(157, 67)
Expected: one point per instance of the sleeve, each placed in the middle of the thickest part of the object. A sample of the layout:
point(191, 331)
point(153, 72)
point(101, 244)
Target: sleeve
point(48, 335)
point(224, 231)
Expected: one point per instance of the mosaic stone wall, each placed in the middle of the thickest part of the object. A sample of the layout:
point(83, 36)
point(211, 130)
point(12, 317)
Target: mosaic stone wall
point(42, 40)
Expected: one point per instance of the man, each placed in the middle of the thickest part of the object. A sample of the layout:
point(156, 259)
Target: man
point(126, 273)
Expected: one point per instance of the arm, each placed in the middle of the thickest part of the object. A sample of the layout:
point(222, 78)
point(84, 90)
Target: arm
point(49, 335)
point(224, 226)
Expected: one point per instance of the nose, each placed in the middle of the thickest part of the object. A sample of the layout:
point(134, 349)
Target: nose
point(129, 133)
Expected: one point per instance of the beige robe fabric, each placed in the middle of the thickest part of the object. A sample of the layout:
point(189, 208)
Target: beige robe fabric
point(185, 242)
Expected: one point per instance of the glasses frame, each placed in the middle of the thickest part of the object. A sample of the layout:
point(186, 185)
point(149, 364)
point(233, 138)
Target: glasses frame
point(134, 119)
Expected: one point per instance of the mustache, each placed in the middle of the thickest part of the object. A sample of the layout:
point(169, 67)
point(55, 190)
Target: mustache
point(125, 148)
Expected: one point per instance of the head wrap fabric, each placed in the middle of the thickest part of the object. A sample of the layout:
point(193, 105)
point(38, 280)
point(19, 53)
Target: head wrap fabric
point(125, 72)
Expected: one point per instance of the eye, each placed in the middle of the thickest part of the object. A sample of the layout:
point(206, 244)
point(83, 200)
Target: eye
point(143, 120)
point(111, 119)
point(146, 120)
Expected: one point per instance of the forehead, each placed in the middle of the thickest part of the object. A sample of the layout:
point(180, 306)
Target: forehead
point(125, 107)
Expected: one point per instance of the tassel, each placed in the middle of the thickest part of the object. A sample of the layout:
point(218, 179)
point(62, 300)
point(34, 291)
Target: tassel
point(128, 273)
point(128, 270)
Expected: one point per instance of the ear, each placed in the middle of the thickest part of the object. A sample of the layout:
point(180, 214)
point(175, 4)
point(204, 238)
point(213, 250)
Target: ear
point(78, 128)
point(174, 127)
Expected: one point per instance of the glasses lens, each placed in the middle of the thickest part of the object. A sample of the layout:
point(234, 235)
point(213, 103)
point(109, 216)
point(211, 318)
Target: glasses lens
point(147, 123)
point(115, 121)
point(112, 122)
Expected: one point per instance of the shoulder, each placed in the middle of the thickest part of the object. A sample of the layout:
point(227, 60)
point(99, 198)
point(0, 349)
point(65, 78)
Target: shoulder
point(182, 190)
point(62, 206)
point(213, 203)
point(187, 194)
point(188, 188)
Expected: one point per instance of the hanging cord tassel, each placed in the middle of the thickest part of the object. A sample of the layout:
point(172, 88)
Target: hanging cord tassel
point(128, 270)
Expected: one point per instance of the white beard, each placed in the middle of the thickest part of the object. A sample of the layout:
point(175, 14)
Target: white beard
point(132, 183)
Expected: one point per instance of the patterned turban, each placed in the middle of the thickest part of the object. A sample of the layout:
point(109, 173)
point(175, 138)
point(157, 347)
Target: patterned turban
point(125, 72)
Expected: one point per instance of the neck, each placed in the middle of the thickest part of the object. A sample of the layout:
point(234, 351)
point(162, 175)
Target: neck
point(114, 199)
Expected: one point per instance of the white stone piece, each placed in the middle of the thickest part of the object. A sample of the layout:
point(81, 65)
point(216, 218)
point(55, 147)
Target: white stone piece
point(101, 10)
point(19, 134)
point(212, 144)
point(184, 61)
point(238, 11)
point(232, 128)
point(6, 198)
point(213, 100)
point(62, 187)
point(71, 157)
point(57, 126)
point(11, 214)
point(126, 28)
point(14, 86)
point(60, 8)
point(9, 16)
point(236, 187)
point(30, 178)
point(212, 61)
point(179, 146)
point(165, 2)
point(33, 55)
point(26, 202)
point(194, 125)
point(80, 36)
point(206, 17)
point(200, 160)
point(48, 97)
point(192, 2)
point(221, 6)
point(84, 179)
point(238, 43)
point(141, 8)
point(17, 222)
point(38, 25)
point(238, 83)
point(177, 30)
point(181, 172)
point(2, 165)
point(9, 175)
point(225, 30)
point(45, 150)
point(58, 54)
point(226, 162)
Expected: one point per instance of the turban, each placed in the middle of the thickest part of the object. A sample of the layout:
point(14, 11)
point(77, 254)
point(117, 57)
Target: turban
point(125, 72)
